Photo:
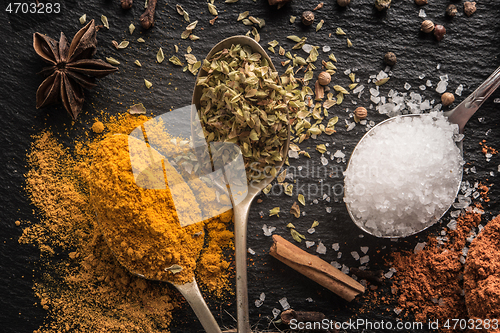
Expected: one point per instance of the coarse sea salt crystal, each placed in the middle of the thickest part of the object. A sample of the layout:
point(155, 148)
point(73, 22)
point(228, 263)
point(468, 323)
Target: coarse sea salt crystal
point(284, 303)
point(336, 264)
point(422, 87)
point(309, 244)
point(345, 269)
point(364, 249)
point(252, 252)
point(311, 231)
point(364, 259)
point(321, 249)
point(459, 90)
point(339, 255)
point(441, 87)
point(268, 231)
point(326, 48)
point(307, 48)
point(350, 127)
point(377, 174)
point(309, 299)
point(419, 247)
point(335, 246)
point(496, 100)
point(355, 255)
point(422, 13)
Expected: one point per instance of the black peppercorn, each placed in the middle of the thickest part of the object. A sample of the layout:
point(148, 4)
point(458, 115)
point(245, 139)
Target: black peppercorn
point(390, 58)
point(307, 17)
point(439, 32)
point(451, 10)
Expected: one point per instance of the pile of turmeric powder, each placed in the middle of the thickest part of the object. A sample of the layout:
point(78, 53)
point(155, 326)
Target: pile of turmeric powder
point(82, 285)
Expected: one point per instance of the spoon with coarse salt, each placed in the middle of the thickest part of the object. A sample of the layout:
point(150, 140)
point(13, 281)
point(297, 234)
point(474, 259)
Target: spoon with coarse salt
point(405, 173)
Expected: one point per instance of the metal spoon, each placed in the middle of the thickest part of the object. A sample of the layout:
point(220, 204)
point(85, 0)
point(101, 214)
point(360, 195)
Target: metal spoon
point(459, 115)
point(189, 290)
point(242, 209)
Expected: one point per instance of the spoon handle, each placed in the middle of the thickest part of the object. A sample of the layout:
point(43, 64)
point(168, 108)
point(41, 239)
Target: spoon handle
point(464, 111)
point(241, 212)
point(192, 294)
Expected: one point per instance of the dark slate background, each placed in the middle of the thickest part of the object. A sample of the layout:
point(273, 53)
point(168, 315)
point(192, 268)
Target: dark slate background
point(468, 54)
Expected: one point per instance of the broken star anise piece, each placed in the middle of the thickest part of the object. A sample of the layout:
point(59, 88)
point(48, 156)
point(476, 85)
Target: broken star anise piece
point(71, 68)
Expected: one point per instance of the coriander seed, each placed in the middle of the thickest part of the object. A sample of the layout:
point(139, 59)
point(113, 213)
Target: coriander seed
point(390, 58)
point(307, 17)
point(361, 113)
point(343, 3)
point(427, 26)
point(421, 2)
point(451, 10)
point(469, 8)
point(324, 78)
point(439, 32)
point(447, 98)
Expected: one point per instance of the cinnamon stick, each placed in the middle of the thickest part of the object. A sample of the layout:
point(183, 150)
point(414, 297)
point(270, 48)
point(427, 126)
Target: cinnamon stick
point(315, 268)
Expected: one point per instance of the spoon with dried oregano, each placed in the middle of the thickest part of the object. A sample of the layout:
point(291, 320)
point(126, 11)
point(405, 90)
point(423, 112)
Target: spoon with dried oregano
point(240, 100)
point(141, 220)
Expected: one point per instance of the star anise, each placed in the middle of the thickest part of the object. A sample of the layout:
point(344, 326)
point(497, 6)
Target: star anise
point(71, 70)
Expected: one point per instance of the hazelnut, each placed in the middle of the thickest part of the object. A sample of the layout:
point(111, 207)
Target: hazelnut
point(390, 58)
point(469, 8)
point(343, 3)
point(324, 78)
point(307, 17)
point(361, 113)
point(439, 32)
point(421, 2)
point(451, 10)
point(427, 26)
point(447, 98)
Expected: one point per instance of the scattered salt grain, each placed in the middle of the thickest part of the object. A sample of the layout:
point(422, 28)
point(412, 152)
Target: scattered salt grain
point(428, 83)
point(350, 127)
point(381, 75)
point(276, 312)
point(441, 86)
point(419, 247)
point(339, 255)
point(364, 249)
point(375, 99)
point(321, 249)
point(496, 100)
point(378, 173)
point(364, 259)
point(311, 231)
point(492, 174)
point(459, 90)
point(358, 89)
point(390, 273)
point(422, 87)
point(452, 225)
point(324, 160)
point(328, 209)
point(336, 264)
point(258, 303)
point(307, 48)
point(347, 71)
point(422, 13)
point(407, 86)
point(309, 299)
point(462, 260)
point(284, 303)
point(268, 231)
point(374, 92)
point(398, 311)
point(326, 48)
point(345, 269)
point(252, 252)
point(355, 255)
point(438, 67)
point(335, 246)
point(309, 244)
point(293, 154)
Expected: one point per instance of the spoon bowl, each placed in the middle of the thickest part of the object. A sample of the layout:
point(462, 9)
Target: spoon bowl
point(241, 209)
point(124, 234)
point(459, 116)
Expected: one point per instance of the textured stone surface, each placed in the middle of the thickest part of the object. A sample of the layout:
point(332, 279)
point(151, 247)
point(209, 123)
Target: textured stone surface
point(468, 54)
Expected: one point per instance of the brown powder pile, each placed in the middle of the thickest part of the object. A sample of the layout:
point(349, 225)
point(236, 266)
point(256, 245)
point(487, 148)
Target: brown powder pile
point(82, 286)
point(482, 273)
point(430, 282)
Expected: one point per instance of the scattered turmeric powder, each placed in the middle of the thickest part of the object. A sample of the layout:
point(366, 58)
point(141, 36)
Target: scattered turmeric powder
point(82, 285)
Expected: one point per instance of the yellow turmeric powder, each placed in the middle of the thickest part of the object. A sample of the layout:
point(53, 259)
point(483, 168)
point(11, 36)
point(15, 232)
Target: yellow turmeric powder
point(88, 290)
point(141, 224)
